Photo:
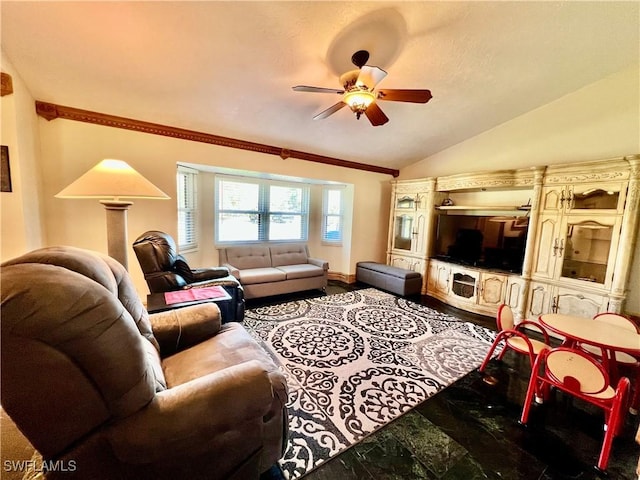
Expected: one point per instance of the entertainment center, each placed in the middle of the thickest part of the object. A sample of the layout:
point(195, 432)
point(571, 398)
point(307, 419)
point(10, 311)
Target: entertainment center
point(544, 239)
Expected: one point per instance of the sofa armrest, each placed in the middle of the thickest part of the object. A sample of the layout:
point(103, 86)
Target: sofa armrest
point(185, 421)
point(164, 282)
point(180, 328)
point(233, 270)
point(211, 273)
point(226, 281)
point(319, 263)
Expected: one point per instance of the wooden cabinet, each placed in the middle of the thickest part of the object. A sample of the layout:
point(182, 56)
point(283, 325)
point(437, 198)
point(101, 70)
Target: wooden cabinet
point(438, 279)
point(577, 248)
point(596, 197)
point(539, 300)
point(580, 303)
point(582, 230)
point(410, 224)
point(408, 232)
point(514, 295)
point(473, 289)
point(545, 298)
point(463, 285)
point(492, 289)
point(579, 242)
point(546, 246)
point(410, 263)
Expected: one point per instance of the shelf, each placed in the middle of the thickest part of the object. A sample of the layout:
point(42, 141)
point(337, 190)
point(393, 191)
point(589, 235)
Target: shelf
point(464, 282)
point(502, 208)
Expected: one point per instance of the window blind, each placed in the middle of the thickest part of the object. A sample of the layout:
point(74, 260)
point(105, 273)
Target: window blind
point(187, 208)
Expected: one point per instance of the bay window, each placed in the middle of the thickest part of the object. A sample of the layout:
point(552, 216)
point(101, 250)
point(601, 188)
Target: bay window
point(254, 210)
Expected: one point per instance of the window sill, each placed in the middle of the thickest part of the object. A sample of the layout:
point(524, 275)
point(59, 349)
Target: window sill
point(324, 243)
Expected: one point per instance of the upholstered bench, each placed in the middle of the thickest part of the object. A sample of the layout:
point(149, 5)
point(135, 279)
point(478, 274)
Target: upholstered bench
point(386, 277)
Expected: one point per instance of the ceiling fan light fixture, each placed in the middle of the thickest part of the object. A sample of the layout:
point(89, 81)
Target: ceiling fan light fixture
point(358, 100)
point(359, 92)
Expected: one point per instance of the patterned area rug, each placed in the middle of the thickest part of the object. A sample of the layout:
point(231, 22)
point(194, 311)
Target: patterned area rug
point(355, 361)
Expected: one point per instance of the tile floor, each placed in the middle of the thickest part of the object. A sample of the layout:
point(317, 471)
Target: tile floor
point(470, 431)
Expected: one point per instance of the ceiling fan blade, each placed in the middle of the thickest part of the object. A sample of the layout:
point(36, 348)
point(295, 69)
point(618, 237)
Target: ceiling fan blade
point(370, 76)
point(306, 88)
point(375, 115)
point(413, 96)
point(329, 111)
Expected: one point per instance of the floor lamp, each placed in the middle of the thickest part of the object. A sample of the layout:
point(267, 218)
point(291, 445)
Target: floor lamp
point(113, 180)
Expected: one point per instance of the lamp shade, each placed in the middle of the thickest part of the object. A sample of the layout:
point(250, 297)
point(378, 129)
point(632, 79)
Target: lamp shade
point(112, 179)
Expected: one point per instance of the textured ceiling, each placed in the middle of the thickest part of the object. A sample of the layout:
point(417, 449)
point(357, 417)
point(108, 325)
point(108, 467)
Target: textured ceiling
point(227, 68)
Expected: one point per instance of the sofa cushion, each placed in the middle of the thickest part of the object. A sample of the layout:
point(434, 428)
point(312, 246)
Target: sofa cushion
point(248, 257)
point(289, 254)
point(231, 346)
point(388, 270)
point(305, 270)
point(261, 275)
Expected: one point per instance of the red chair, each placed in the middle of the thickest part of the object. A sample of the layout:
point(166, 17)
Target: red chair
point(514, 338)
point(579, 374)
point(615, 362)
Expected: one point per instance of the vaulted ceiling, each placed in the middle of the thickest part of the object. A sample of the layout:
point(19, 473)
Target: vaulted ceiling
point(227, 68)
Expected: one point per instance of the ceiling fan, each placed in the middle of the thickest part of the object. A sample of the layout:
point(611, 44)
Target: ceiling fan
point(359, 93)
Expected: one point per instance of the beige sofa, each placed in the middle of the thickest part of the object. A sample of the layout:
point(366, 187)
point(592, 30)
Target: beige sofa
point(274, 270)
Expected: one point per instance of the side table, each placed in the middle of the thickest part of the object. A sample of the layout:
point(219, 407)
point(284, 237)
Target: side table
point(156, 303)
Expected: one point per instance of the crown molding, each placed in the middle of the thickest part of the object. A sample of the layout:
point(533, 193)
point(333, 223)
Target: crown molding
point(51, 111)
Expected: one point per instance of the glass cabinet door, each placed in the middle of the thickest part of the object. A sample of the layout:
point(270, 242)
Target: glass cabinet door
point(595, 199)
point(602, 197)
point(592, 198)
point(403, 232)
point(406, 202)
point(585, 250)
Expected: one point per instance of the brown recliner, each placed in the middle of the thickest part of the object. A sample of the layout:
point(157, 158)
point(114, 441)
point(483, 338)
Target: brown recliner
point(165, 270)
point(104, 390)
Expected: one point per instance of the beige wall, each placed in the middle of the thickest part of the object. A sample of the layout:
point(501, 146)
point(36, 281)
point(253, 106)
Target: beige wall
point(20, 208)
point(70, 148)
point(599, 121)
point(60, 151)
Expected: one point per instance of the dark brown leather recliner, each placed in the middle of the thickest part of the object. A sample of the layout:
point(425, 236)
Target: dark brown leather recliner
point(165, 270)
point(105, 390)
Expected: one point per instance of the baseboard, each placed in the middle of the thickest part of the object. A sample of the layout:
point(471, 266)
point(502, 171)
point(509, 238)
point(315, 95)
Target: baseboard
point(342, 277)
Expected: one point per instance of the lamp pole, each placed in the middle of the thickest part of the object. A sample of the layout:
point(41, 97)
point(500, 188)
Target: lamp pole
point(117, 238)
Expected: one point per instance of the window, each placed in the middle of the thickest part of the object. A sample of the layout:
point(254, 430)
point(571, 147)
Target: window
point(257, 210)
point(187, 208)
point(332, 215)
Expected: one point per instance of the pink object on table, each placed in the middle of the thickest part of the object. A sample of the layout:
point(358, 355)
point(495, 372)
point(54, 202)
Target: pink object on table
point(194, 294)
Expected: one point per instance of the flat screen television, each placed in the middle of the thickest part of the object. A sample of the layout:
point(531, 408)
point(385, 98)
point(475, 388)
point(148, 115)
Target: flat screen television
point(496, 242)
